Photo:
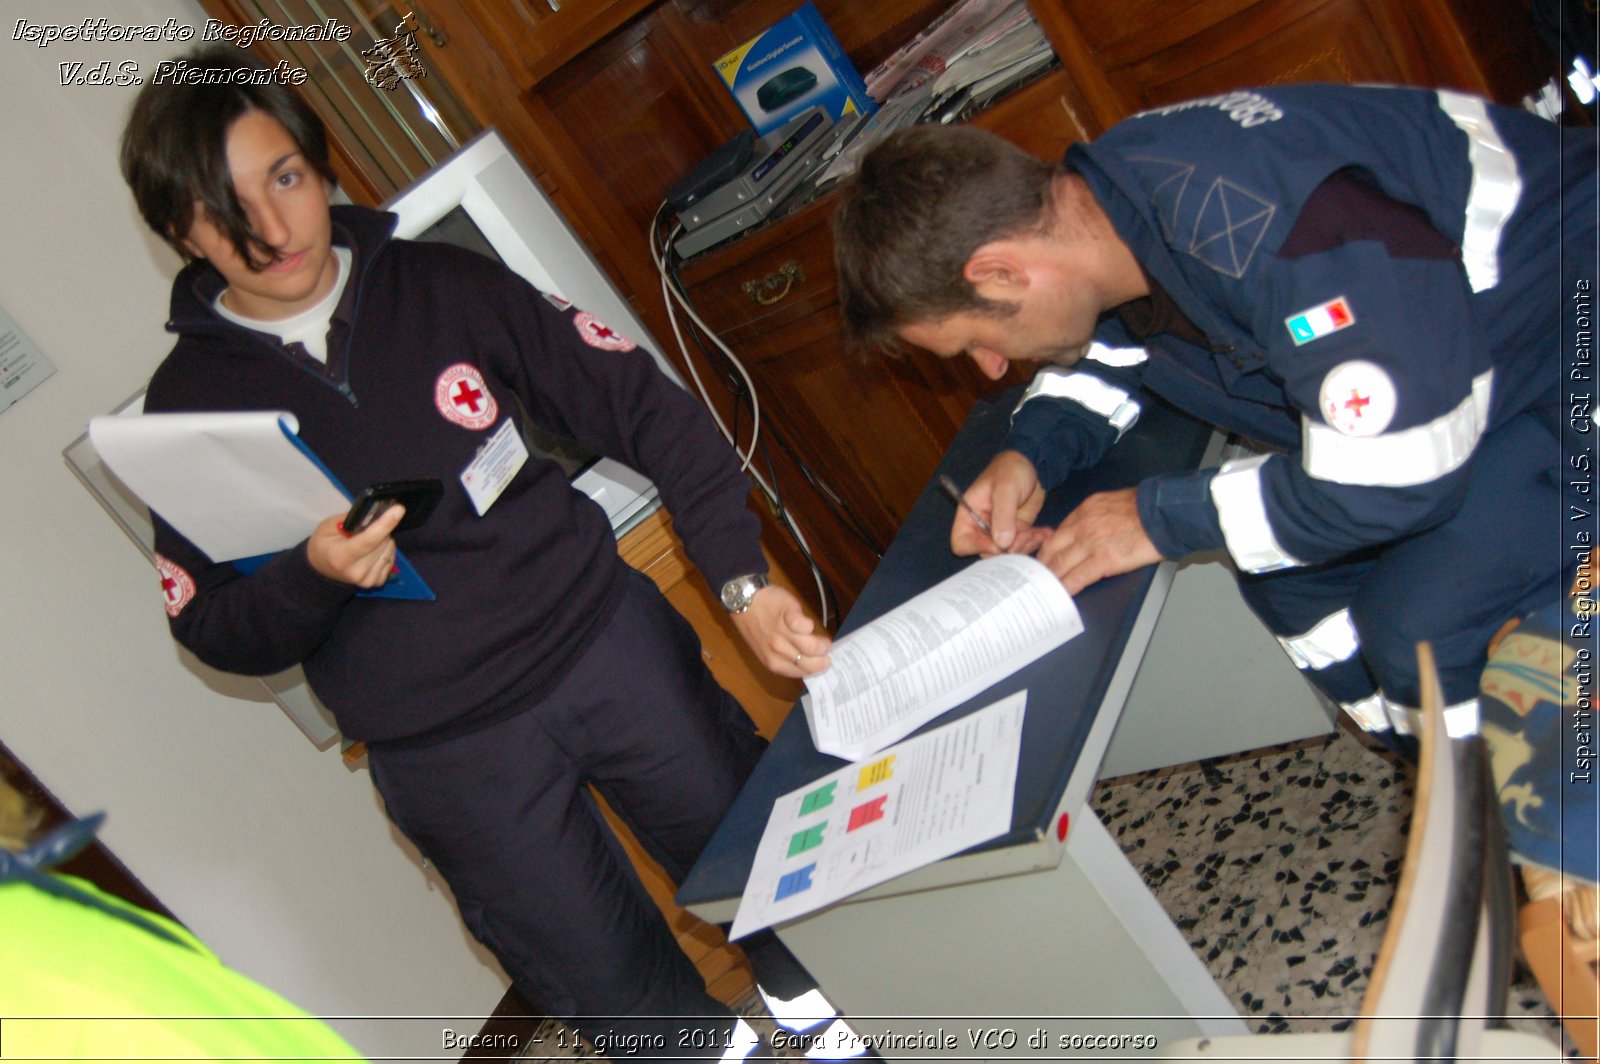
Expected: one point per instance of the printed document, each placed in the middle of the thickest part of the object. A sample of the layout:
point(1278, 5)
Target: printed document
point(925, 799)
point(237, 485)
point(933, 653)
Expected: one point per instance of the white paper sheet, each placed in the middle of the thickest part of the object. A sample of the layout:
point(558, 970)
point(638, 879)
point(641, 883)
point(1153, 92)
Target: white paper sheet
point(236, 485)
point(910, 805)
point(933, 653)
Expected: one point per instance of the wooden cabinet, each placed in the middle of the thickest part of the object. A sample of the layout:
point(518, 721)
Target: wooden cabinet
point(870, 430)
point(1142, 53)
point(610, 107)
point(534, 37)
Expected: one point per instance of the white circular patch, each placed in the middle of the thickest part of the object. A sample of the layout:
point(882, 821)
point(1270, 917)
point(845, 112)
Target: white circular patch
point(177, 586)
point(463, 397)
point(1358, 398)
point(597, 333)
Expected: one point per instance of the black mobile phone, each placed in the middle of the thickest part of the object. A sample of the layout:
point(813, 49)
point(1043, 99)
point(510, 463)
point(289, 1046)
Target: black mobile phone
point(419, 497)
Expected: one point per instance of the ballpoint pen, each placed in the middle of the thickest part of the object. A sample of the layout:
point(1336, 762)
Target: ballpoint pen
point(954, 494)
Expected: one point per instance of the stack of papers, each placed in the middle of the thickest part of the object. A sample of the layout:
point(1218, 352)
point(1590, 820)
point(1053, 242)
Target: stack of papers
point(1011, 55)
point(918, 802)
point(929, 52)
point(899, 807)
point(971, 55)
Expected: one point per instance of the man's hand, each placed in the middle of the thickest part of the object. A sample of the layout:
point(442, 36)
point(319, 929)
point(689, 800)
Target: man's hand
point(783, 638)
point(1101, 538)
point(365, 559)
point(1009, 495)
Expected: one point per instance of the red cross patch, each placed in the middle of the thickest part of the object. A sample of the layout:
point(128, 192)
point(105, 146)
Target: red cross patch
point(177, 586)
point(597, 333)
point(1358, 398)
point(462, 396)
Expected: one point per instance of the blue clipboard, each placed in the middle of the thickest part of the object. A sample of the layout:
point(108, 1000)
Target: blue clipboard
point(406, 583)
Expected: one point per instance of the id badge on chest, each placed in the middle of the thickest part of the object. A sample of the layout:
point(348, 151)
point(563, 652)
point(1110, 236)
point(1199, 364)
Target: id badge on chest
point(492, 468)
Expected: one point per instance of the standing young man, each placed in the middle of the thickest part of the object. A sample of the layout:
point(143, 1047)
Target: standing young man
point(1372, 283)
point(545, 664)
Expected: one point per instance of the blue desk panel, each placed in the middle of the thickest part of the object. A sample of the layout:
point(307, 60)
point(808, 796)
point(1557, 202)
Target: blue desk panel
point(1065, 688)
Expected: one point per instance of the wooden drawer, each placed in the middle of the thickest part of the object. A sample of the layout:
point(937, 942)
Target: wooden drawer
point(771, 278)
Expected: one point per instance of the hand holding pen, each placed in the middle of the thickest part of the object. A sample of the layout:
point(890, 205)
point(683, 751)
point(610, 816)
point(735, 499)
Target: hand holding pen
point(995, 514)
point(953, 493)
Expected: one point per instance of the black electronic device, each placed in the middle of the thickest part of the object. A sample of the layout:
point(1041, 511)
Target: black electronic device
point(781, 165)
point(770, 165)
point(419, 497)
point(714, 171)
point(785, 88)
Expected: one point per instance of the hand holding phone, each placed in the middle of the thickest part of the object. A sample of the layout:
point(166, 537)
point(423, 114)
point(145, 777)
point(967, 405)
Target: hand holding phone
point(419, 497)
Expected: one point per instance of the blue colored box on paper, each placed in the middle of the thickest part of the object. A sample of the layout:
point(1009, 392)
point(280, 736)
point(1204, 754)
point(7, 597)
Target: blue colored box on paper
point(795, 65)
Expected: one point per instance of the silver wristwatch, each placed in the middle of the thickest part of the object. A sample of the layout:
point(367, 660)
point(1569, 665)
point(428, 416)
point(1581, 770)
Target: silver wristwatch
point(738, 593)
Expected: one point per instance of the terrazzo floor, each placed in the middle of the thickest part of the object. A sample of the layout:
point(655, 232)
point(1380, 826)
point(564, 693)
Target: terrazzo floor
point(1279, 867)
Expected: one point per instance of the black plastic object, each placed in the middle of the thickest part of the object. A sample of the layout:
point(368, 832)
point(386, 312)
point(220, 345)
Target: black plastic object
point(785, 88)
point(716, 170)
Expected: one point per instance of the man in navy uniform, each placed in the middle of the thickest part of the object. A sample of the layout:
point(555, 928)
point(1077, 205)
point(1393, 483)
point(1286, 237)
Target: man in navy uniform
point(1371, 284)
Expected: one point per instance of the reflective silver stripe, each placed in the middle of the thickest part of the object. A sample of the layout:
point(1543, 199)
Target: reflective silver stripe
point(1403, 719)
point(1121, 357)
point(1088, 391)
point(1399, 459)
point(1460, 720)
point(1496, 187)
point(1236, 491)
point(1330, 641)
point(1369, 713)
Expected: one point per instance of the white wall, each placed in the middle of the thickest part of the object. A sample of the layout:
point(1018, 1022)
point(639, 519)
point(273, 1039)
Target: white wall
point(271, 851)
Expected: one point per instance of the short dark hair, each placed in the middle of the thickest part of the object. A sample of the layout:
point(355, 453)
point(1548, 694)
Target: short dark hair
point(175, 145)
point(917, 208)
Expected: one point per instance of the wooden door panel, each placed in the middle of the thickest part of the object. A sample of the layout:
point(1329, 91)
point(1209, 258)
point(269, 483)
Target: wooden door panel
point(536, 37)
point(861, 433)
point(636, 122)
point(1274, 43)
point(1146, 26)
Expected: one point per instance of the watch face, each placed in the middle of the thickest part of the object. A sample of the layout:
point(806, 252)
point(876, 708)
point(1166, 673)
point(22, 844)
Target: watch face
point(738, 592)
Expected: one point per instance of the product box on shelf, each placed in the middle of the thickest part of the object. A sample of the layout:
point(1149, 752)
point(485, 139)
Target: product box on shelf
point(796, 64)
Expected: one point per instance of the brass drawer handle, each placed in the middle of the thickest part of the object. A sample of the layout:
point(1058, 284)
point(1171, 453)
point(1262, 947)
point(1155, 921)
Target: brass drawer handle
point(767, 291)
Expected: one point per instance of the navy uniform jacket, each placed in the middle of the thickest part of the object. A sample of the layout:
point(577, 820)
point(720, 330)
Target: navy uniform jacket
point(431, 351)
point(1367, 279)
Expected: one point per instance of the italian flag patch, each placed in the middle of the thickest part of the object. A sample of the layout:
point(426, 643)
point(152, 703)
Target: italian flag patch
point(1314, 323)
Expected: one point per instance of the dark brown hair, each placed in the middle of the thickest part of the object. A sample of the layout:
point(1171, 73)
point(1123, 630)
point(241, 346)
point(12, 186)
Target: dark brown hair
point(175, 146)
point(917, 208)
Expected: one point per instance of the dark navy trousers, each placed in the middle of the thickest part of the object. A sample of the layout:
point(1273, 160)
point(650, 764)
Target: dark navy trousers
point(1499, 557)
point(506, 816)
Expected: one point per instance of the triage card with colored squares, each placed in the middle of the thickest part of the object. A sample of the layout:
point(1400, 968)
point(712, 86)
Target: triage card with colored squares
point(910, 804)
